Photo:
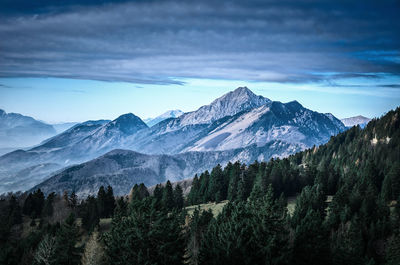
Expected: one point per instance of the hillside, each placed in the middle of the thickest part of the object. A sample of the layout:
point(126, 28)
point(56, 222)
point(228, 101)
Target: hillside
point(346, 210)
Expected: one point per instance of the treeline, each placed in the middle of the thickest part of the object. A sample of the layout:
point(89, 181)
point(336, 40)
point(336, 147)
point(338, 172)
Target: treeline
point(51, 220)
point(373, 151)
point(361, 225)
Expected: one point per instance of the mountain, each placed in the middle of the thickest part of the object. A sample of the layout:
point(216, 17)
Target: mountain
point(80, 143)
point(70, 136)
point(43, 159)
point(19, 131)
point(239, 120)
point(166, 115)
point(61, 127)
point(357, 120)
point(289, 122)
point(121, 169)
point(112, 135)
point(241, 99)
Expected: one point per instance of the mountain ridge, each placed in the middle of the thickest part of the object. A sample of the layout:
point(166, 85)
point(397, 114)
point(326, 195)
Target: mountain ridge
point(249, 120)
point(20, 131)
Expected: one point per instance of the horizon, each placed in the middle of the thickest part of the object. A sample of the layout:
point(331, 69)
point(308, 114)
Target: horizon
point(185, 99)
point(71, 61)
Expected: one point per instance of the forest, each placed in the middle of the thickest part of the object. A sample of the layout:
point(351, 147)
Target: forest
point(359, 170)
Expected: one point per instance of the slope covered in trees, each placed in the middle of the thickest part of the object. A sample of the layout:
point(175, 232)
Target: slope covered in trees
point(360, 225)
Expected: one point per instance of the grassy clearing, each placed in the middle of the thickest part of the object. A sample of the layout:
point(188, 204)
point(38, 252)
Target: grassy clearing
point(216, 208)
point(291, 205)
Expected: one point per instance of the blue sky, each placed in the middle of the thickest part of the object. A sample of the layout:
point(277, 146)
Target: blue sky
point(73, 60)
point(61, 100)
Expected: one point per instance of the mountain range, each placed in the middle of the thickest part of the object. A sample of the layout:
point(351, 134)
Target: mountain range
point(237, 126)
point(19, 131)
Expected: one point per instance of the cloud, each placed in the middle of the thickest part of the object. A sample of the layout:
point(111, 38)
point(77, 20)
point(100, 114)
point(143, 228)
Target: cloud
point(162, 42)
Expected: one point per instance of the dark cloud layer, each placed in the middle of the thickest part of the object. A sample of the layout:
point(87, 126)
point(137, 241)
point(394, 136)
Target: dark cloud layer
point(163, 41)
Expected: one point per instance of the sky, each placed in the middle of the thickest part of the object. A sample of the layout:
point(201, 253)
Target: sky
point(72, 60)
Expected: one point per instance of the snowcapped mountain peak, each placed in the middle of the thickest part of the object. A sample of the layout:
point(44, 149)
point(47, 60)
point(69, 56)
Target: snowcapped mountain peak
point(357, 120)
point(241, 99)
point(166, 115)
point(241, 96)
point(171, 114)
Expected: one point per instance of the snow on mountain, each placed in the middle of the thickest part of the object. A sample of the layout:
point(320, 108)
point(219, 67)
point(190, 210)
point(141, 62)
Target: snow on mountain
point(241, 99)
point(166, 115)
point(290, 122)
point(357, 120)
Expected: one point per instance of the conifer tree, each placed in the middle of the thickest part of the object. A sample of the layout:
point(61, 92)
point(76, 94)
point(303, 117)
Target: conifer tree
point(149, 235)
point(193, 196)
point(89, 213)
point(158, 192)
point(234, 174)
point(216, 189)
point(101, 202)
point(178, 197)
point(109, 202)
point(168, 196)
point(66, 252)
point(197, 228)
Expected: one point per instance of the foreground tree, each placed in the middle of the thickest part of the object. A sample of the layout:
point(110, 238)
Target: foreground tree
point(252, 232)
point(45, 253)
point(67, 253)
point(148, 235)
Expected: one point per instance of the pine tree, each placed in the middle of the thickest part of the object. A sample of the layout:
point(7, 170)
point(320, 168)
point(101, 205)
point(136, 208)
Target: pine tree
point(168, 196)
point(48, 205)
point(257, 227)
point(197, 227)
point(109, 202)
point(234, 174)
point(178, 197)
point(89, 213)
point(348, 244)
point(101, 202)
point(216, 189)
point(193, 196)
point(204, 195)
point(392, 256)
point(311, 240)
point(66, 252)
point(149, 235)
point(73, 200)
point(139, 192)
point(394, 175)
point(121, 208)
point(158, 192)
